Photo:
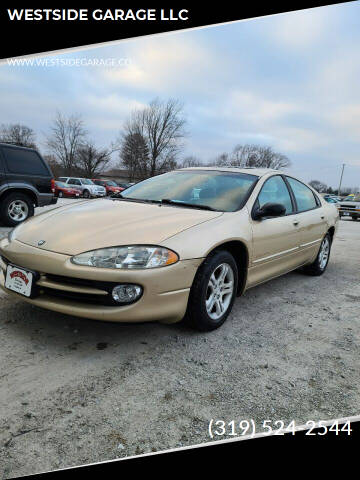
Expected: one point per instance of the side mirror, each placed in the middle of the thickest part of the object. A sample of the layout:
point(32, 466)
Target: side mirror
point(269, 210)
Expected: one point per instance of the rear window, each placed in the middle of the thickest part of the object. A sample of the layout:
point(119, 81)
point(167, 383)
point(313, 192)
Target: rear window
point(304, 197)
point(24, 162)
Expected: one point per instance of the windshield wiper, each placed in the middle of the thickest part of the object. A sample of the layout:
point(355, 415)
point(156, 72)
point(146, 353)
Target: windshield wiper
point(118, 196)
point(165, 201)
point(168, 201)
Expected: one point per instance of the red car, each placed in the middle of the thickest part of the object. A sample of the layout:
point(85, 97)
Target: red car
point(62, 190)
point(109, 185)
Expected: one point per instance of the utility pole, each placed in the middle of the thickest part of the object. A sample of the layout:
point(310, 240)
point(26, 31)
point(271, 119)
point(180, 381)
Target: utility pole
point(342, 173)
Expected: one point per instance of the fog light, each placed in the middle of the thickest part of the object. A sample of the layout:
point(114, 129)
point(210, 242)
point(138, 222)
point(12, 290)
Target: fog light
point(126, 293)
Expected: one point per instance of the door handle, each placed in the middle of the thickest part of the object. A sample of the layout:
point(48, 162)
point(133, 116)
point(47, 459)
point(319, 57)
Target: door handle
point(296, 223)
point(322, 217)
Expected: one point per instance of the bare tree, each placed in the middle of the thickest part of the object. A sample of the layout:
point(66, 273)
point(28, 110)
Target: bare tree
point(318, 186)
point(161, 124)
point(189, 162)
point(91, 160)
point(253, 156)
point(17, 134)
point(67, 136)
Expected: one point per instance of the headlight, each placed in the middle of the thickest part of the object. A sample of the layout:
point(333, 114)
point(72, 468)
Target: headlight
point(127, 257)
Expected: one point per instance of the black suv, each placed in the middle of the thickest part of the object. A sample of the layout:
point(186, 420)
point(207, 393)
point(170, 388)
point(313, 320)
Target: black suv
point(26, 182)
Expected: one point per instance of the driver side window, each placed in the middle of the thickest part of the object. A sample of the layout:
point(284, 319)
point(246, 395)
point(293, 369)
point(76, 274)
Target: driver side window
point(275, 190)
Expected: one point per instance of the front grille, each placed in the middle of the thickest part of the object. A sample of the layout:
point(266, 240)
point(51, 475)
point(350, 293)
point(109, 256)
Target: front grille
point(105, 300)
point(347, 207)
point(82, 282)
point(81, 297)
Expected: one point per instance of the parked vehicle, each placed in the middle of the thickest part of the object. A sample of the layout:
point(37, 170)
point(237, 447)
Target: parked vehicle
point(333, 200)
point(158, 252)
point(85, 185)
point(335, 197)
point(109, 185)
point(62, 190)
point(350, 207)
point(26, 182)
point(125, 185)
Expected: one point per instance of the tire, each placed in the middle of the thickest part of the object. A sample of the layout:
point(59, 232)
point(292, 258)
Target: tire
point(86, 194)
point(15, 209)
point(199, 315)
point(60, 195)
point(319, 265)
point(354, 219)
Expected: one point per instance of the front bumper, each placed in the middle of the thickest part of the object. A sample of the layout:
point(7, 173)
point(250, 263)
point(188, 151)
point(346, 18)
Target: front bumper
point(354, 213)
point(164, 298)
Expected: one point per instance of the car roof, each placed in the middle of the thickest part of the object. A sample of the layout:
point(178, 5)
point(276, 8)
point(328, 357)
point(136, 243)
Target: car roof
point(5, 144)
point(260, 172)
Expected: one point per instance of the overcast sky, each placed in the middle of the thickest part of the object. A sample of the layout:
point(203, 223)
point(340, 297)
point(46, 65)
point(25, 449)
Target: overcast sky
point(291, 81)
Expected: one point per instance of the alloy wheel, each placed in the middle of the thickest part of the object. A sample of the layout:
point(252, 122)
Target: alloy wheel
point(219, 291)
point(324, 253)
point(18, 210)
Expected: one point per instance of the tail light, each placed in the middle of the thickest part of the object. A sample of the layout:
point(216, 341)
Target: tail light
point(53, 185)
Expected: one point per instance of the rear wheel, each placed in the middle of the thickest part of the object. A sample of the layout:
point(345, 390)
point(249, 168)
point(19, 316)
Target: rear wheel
point(318, 267)
point(16, 208)
point(60, 195)
point(213, 292)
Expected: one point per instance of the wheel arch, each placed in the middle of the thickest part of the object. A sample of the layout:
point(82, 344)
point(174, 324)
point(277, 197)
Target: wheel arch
point(25, 191)
point(331, 232)
point(239, 251)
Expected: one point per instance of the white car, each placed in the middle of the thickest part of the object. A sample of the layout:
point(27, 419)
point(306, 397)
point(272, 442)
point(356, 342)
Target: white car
point(87, 186)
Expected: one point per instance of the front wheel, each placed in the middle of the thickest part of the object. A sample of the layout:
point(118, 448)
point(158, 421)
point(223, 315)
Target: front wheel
point(86, 194)
point(15, 209)
point(318, 267)
point(213, 292)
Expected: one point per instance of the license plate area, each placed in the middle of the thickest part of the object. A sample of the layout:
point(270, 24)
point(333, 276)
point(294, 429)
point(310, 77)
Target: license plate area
point(21, 280)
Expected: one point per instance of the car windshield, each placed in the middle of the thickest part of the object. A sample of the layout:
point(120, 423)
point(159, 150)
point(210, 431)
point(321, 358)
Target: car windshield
point(86, 181)
point(110, 183)
point(218, 190)
point(61, 184)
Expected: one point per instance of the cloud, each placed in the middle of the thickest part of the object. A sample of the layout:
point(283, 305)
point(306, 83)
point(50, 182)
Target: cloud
point(302, 29)
point(158, 64)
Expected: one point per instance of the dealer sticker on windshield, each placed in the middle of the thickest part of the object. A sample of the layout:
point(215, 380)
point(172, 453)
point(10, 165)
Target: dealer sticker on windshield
point(19, 280)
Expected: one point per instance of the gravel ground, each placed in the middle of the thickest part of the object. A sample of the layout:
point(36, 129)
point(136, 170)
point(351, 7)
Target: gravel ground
point(75, 391)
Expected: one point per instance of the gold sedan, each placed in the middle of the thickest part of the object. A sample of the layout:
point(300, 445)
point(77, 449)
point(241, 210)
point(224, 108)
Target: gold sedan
point(181, 245)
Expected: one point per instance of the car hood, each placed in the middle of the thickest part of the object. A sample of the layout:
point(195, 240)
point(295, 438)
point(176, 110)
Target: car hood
point(103, 223)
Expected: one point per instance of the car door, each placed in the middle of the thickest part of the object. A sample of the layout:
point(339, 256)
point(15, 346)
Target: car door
point(276, 240)
point(311, 217)
point(75, 183)
point(3, 179)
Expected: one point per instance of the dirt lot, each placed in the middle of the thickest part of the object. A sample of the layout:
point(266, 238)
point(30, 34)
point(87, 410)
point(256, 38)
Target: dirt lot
point(74, 391)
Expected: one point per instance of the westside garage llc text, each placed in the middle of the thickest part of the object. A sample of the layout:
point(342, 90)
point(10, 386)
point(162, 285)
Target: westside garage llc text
point(68, 14)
